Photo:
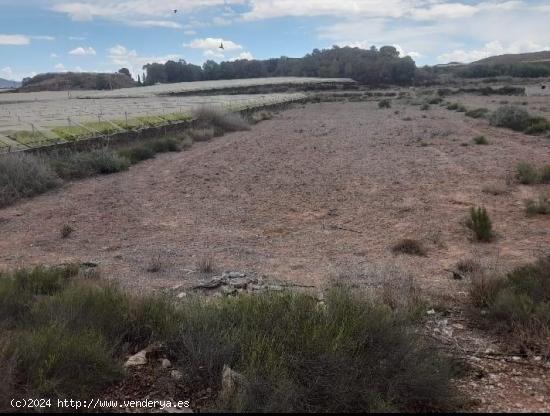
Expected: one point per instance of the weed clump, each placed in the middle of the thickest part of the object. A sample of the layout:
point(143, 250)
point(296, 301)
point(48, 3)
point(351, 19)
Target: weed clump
point(409, 246)
point(23, 175)
point(527, 174)
point(511, 117)
point(385, 103)
point(480, 223)
point(66, 231)
point(75, 165)
point(138, 153)
point(517, 305)
point(538, 206)
point(477, 113)
point(482, 140)
point(220, 120)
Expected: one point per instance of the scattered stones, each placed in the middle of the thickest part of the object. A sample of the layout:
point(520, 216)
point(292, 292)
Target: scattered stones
point(165, 363)
point(238, 283)
point(232, 275)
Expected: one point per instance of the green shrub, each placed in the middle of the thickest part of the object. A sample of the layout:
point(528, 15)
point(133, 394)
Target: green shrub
point(66, 231)
point(480, 223)
point(18, 289)
point(409, 246)
point(545, 174)
point(348, 354)
point(168, 144)
point(538, 206)
point(425, 107)
point(511, 117)
point(537, 125)
point(55, 363)
point(74, 165)
point(452, 106)
point(23, 175)
point(518, 305)
point(481, 140)
point(384, 103)
point(435, 100)
point(138, 153)
point(477, 113)
point(527, 174)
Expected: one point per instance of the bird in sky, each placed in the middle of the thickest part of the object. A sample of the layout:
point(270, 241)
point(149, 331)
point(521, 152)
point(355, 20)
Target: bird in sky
point(221, 46)
point(175, 11)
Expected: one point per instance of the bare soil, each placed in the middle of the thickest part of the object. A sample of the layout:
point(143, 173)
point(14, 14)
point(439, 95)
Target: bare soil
point(316, 192)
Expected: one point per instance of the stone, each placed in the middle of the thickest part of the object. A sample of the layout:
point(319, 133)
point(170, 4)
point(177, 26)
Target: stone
point(182, 295)
point(137, 359)
point(165, 363)
point(228, 291)
point(233, 275)
point(231, 382)
point(176, 375)
point(430, 312)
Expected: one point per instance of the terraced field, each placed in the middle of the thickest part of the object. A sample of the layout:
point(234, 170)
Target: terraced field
point(30, 120)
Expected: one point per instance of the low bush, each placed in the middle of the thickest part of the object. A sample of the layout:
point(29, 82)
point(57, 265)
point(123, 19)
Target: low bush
point(482, 140)
point(217, 118)
point(477, 113)
point(296, 355)
point(201, 135)
point(384, 103)
point(75, 165)
point(23, 175)
point(409, 246)
point(537, 125)
point(435, 100)
point(480, 223)
point(168, 144)
point(425, 107)
point(518, 305)
point(511, 117)
point(527, 174)
point(66, 231)
point(138, 152)
point(538, 206)
point(348, 353)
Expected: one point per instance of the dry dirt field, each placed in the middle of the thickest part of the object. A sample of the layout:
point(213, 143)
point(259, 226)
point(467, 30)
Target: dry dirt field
point(319, 191)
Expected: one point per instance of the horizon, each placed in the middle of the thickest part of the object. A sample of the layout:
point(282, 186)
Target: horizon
point(103, 36)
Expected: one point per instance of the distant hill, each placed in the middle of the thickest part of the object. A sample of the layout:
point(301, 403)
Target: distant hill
point(4, 83)
point(76, 81)
point(516, 58)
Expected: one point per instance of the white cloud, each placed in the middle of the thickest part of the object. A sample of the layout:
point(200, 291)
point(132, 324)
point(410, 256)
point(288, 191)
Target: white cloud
point(77, 38)
point(156, 23)
point(128, 10)
point(245, 55)
point(42, 37)
point(122, 57)
point(14, 40)
point(490, 49)
point(60, 67)
point(6, 73)
point(54, 56)
point(190, 32)
point(83, 51)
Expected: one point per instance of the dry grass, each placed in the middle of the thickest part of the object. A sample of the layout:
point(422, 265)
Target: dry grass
point(24, 175)
point(409, 246)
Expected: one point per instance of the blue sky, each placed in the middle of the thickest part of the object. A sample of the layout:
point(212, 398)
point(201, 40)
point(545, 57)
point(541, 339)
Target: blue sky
point(104, 35)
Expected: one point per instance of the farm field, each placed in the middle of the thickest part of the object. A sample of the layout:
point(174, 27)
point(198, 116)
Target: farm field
point(36, 119)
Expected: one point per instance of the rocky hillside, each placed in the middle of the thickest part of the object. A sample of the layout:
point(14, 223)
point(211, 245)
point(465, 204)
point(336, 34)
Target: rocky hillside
point(76, 81)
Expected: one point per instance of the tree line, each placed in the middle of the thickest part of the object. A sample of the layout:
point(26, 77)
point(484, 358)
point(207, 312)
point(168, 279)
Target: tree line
point(370, 66)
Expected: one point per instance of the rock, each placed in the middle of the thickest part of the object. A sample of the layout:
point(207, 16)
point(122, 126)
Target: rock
point(458, 326)
point(238, 283)
point(176, 375)
point(430, 312)
point(165, 363)
point(231, 382)
point(211, 284)
point(233, 275)
point(137, 359)
point(182, 295)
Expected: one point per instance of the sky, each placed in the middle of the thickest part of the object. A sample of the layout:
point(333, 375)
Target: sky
point(105, 35)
